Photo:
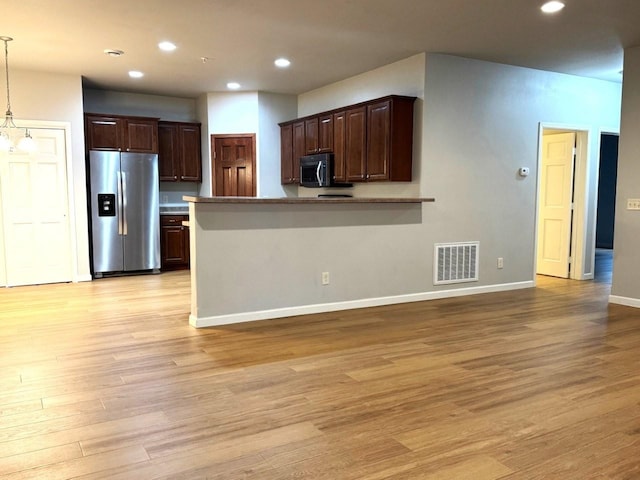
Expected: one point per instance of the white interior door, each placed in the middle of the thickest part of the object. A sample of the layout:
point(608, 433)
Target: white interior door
point(554, 210)
point(3, 270)
point(37, 242)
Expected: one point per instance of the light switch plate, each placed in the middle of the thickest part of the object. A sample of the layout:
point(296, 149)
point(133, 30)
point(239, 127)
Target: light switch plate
point(633, 204)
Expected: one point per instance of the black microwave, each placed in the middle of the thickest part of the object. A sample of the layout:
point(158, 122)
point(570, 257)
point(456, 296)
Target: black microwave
point(317, 171)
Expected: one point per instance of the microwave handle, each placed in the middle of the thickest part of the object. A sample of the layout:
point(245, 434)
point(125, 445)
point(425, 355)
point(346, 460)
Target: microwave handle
point(318, 174)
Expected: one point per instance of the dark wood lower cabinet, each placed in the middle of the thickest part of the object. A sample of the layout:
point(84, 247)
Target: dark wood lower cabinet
point(174, 242)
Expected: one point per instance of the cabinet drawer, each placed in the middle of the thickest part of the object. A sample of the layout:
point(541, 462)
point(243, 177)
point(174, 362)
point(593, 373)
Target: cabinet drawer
point(170, 220)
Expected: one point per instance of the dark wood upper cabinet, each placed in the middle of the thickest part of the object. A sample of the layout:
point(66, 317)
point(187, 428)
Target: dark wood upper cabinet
point(318, 134)
point(299, 150)
point(103, 132)
point(190, 152)
point(121, 133)
point(179, 157)
point(141, 135)
point(390, 139)
point(311, 135)
point(168, 152)
point(286, 154)
point(325, 133)
point(378, 146)
point(339, 172)
point(355, 144)
point(370, 141)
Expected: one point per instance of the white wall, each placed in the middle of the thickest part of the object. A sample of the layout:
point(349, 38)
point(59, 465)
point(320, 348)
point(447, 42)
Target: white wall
point(248, 112)
point(53, 97)
point(273, 109)
point(481, 124)
point(136, 104)
point(228, 113)
point(625, 288)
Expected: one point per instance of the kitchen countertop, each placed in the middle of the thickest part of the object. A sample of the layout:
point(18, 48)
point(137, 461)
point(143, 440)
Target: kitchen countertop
point(174, 210)
point(304, 200)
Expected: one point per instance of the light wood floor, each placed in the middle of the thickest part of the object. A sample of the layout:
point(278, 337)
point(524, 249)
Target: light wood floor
point(106, 380)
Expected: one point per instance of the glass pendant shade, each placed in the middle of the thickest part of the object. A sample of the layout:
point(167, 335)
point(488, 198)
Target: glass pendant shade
point(27, 143)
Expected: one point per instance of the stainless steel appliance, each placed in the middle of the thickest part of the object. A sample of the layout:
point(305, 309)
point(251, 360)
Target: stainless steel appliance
point(317, 171)
point(125, 213)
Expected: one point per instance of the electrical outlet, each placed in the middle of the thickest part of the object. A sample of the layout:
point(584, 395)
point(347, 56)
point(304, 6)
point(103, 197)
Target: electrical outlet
point(500, 262)
point(633, 204)
point(325, 278)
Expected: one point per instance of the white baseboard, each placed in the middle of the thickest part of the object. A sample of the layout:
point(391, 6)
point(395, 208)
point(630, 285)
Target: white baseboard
point(629, 302)
point(216, 320)
point(83, 278)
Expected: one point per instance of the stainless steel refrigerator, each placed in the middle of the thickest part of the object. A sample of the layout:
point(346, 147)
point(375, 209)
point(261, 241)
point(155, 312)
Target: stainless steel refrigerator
point(125, 213)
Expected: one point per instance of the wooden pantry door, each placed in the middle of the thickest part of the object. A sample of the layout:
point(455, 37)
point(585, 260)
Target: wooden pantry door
point(234, 165)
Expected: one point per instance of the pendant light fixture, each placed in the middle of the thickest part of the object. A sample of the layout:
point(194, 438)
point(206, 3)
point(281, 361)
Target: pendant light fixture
point(26, 143)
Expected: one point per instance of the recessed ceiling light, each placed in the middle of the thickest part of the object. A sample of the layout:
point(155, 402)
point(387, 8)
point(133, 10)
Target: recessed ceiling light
point(233, 85)
point(113, 52)
point(282, 63)
point(167, 46)
point(136, 74)
point(552, 7)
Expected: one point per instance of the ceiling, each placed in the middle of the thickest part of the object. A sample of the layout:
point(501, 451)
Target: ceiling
point(326, 40)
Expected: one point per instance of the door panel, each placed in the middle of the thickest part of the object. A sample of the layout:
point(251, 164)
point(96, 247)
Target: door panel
point(555, 213)
point(105, 235)
point(191, 160)
point(141, 216)
point(37, 243)
point(234, 166)
point(286, 154)
point(379, 144)
point(168, 153)
point(325, 134)
point(355, 144)
point(339, 174)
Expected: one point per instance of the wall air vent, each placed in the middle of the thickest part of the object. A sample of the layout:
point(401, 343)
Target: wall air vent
point(455, 262)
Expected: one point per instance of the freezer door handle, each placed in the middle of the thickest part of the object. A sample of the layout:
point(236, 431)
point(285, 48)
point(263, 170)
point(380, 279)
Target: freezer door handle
point(119, 203)
point(124, 203)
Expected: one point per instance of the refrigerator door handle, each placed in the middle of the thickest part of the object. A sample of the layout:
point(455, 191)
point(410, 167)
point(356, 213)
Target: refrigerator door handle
point(119, 203)
point(124, 203)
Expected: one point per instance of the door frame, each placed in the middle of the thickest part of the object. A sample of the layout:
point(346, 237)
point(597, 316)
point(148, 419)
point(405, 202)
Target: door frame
point(581, 190)
point(252, 136)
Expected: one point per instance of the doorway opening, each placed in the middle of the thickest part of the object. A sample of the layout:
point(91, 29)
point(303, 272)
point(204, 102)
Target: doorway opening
point(605, 213)
point(570, 200)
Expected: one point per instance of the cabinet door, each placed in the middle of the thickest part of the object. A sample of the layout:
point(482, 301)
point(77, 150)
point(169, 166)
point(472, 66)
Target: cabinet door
point(168, 153)
point(141, 136)
point(299, 149)
point(339, 174)
point(286, 154)
point(379, 140)
point(103, 132)
point(174, 242)
point(355, 144)
point(311, 135)
point(190, 156)
point(325, 134)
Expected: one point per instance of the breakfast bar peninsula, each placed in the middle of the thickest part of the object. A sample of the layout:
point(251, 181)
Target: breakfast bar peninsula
point(261, 258)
